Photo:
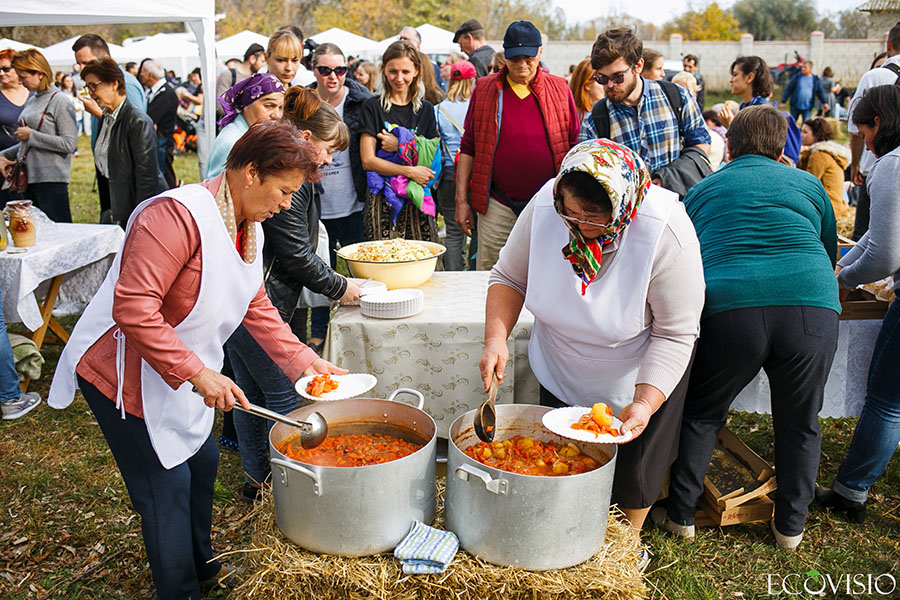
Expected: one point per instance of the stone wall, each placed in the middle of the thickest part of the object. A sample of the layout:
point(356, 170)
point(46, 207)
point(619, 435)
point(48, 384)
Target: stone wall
point(849, 59)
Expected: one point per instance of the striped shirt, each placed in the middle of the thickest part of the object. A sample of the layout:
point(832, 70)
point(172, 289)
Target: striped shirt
point(651, 127)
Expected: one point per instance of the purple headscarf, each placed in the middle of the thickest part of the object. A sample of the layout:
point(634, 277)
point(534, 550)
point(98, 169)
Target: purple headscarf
point(244, 93)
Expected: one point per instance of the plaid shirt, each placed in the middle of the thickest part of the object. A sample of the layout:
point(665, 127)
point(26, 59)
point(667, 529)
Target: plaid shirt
point(651, 127)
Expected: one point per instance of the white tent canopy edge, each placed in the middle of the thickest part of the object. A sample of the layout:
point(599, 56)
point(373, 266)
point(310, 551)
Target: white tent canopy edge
point(198, 15)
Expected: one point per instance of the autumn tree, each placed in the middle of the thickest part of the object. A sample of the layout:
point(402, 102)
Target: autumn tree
point(589, 30)
point(710, 24)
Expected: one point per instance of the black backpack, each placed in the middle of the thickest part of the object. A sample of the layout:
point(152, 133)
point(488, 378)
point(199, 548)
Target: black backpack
point(600, 113)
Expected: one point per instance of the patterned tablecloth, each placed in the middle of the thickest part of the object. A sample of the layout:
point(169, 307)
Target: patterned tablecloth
point(82, 252)
point(845, 390)
point(436, 351)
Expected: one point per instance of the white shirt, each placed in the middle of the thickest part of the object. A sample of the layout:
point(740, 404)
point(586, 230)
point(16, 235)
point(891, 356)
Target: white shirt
point(870, 79)
point(338, 193)
point(303, 77)
point(154, 89)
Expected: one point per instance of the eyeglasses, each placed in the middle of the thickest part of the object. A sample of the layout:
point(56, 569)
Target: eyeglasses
point(326, 71)
point(591, 223)
point(5, 69)
point(92, 86)
point(521, 57)
point(616, 78)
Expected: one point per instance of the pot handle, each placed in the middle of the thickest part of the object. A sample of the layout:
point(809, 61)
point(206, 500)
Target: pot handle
point(495, 486)
point(285, 465)
point(415, 393)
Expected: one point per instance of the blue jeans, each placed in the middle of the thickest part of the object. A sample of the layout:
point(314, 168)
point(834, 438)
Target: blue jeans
point(878, 430)
point(804, 112)
point(9, 378)
point(175, 504)
point(264, 384)
point(346, 230)
point(454, 258)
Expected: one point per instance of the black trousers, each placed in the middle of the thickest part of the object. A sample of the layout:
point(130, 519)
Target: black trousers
point(52, 198)
point(175, 504)
point(795, 346)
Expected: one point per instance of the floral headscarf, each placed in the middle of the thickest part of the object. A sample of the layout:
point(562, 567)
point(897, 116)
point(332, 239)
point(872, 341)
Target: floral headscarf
point(246, 92)
point(625, 178)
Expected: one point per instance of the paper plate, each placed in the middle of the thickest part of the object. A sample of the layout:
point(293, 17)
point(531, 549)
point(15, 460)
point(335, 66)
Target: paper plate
point(393, 304)
point(560, 422)
point(366, 287)
point(350, 385)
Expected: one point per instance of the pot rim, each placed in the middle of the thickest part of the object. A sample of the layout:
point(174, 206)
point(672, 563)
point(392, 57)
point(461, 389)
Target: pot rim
point(432, 440)
point(495, 471)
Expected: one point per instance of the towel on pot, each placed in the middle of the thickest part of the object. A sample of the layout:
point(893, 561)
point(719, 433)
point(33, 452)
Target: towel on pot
point(426, 549)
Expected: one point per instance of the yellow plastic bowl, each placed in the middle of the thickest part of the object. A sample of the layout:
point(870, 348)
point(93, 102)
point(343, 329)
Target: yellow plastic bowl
point(406, 274)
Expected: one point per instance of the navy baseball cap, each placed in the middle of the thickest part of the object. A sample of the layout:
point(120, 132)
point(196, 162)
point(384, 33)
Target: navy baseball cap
point(521, 39)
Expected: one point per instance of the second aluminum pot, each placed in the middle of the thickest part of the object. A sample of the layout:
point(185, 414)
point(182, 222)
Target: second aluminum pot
point(356, 511)
point(527, 521)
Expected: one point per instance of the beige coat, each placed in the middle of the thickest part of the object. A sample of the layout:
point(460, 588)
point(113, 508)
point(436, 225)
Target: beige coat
point(827, 161)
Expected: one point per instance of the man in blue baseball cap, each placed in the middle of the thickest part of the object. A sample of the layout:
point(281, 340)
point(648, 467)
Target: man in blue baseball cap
point(499, 171)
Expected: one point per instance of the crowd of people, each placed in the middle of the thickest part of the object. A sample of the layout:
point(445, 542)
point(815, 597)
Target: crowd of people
point(667, 253)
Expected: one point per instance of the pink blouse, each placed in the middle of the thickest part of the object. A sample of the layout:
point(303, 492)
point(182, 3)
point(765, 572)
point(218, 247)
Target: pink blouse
point(157, 287)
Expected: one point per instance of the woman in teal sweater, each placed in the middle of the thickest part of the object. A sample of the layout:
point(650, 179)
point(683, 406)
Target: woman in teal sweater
point(768, 240)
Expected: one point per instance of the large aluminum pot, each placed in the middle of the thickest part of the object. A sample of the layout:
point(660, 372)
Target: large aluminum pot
point(356, 511)
point(526, 521)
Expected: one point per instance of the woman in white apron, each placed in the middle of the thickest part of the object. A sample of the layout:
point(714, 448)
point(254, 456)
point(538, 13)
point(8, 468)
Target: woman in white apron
point(147, 351)
point(610, 267)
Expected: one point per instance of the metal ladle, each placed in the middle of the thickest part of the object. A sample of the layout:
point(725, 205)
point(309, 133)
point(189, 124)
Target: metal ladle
point(312, 432)
point(486, 415)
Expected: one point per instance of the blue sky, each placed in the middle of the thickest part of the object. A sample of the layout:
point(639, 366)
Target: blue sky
point(660, 11)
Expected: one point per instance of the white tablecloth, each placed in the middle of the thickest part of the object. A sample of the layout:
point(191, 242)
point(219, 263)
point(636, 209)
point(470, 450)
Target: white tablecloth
point(82, 252)
point(436, 351)
point(845, 390)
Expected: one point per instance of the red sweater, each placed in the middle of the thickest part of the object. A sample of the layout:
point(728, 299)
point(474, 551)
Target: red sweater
point(551, 101)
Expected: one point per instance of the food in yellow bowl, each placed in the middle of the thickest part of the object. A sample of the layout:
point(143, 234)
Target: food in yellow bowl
point(396, 263)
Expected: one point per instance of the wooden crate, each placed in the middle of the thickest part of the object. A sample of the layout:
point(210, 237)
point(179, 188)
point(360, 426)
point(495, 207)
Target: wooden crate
point(732, 506)
point(862, 304)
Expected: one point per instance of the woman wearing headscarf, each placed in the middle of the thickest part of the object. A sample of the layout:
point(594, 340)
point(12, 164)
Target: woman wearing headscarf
point(146, 352)
point(610, 267)
point(257, 98)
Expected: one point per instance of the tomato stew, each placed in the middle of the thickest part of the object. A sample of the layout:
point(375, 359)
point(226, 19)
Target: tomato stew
point(532, 457)
point(350, 450)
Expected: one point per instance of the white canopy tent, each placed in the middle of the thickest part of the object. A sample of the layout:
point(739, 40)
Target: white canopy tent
point(235, 45)
point(172, 52)
point(198, 15)
point(349, 43)
point(60, 54)
point(435, 41)
point(6, 43)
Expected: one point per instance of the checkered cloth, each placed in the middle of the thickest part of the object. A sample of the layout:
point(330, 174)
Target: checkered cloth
point(426, 550)
point(651, 128)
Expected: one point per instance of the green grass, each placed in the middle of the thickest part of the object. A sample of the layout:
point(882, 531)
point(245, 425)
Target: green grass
point(65, 511)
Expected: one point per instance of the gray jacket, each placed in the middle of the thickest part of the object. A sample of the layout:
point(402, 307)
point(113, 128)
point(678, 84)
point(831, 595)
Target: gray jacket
point(50, 150)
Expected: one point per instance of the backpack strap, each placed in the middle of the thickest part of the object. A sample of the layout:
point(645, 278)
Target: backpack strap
point(896, 70)
point(451, 119)
point(600, 115)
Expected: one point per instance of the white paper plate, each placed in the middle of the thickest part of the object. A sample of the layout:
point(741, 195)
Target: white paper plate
point(350, 385)
point(560, 422)
point(366, 287)
point(393, 304)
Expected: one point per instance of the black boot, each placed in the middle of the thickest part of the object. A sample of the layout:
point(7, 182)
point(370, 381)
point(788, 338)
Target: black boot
point(828, 498)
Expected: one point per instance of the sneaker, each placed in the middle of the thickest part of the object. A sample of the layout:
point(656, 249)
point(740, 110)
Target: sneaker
point(788, 542)
point(21, 406)
point(828, 498)
point(660, 517)
point(643, 558)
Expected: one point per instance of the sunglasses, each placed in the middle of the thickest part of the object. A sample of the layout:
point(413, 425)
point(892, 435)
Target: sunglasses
point(616, 79)
point(5, 69)
point(326, 71)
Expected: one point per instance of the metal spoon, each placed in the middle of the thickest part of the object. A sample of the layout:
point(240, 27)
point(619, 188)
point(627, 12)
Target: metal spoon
point(486, 415)
point(312, 432)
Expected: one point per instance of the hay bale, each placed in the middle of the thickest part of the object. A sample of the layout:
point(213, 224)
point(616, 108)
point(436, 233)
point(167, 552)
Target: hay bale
point(845, 223)
point(275, 567)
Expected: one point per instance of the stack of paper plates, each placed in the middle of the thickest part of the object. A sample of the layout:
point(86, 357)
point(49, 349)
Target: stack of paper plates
point(393, 304)
point(366, 287)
